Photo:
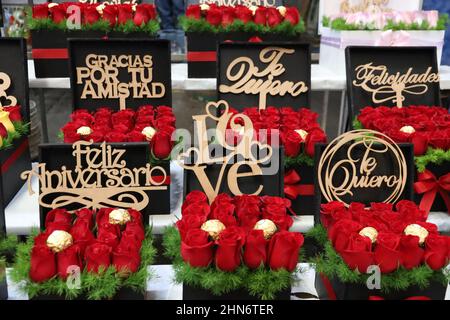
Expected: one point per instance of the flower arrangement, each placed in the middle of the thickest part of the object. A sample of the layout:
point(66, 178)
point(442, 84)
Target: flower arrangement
point(214, 19)
point(102, 17)
point(412, 20)
point(112, 252)
point(428, 128)
point(12, 126)
point(148, 123)
point(239, 242)
point(408, 250)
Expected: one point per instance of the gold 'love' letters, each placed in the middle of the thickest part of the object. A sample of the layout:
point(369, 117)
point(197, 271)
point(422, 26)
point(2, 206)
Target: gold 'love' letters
point(197, 158)
point(100, 178)
point(247, 78)
point(100, 78)
point(385, 86)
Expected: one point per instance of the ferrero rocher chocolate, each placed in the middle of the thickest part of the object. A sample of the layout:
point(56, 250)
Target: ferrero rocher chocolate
point(84, 131)
point(148, 132)
point(282, 10)
point(369, 232)
point(204, 6)
point(267, 226)
point(417, 230)
point(214, 227)
point(407, 129)
point(253, 9)
point(119, 216)
point(59, 240)
point(302, 133)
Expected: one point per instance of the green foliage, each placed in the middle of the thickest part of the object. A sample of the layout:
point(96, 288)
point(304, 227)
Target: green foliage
point(20, 128)
point(330, 263)
point(150, 27)
point(46, 24)
point(357, 125)
point(262, 283)
point(203, 26)
point(93, 286)
point(100, 25)
point(8, 247)
point(435, 156)
point(301, 159)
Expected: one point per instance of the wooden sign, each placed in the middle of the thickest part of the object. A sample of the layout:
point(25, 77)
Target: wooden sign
point(120, 73)
point(363, 166)
point(245, 167)
point(87, 175)
point(264, 74)
point(247, 3)
point(392, 76)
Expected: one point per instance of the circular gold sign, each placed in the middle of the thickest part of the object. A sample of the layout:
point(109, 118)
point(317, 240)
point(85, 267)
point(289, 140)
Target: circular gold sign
point(350, 159)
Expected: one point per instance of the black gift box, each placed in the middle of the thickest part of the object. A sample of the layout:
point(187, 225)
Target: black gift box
point(194, 293)
point(334, 289)
point(3, 284)
point(49, 52)
point(304, 204)
point(201, 49)
point(129, 35)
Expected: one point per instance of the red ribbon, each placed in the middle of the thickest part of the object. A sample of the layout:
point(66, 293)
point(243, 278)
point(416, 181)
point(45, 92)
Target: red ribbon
point(292, 188)
point(328, 287)
point(429, 185)
point(410, 298)
point(201, 56)
point(14, 156)
point(50, 53)
point(159, 179)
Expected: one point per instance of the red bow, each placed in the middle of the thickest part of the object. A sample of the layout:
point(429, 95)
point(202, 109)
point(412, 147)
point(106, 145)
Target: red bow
point(429, 185)
point(410, 298)
point(292, 188)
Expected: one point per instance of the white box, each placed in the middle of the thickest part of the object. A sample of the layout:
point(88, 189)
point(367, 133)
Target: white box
point(333, 43)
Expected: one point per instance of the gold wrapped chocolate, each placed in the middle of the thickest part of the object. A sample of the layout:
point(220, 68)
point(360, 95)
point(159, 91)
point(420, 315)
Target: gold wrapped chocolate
point(148, 132)
point(84, 131)
point(59, 240)
point(267, 226)
point(369, 232)
point(204, 7)
point(416, 230)
point(282, 10)
point(302, 133)
point(214, 227)
point(407, 129)
point(119, 216)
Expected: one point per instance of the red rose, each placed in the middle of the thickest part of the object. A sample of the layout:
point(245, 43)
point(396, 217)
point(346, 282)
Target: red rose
point(59, 216)
point(161, 145)
point(248, 210)
point(82, 116)
point(41, 239)
point(3, 131)
point(420, 142)
point(90, 14)
point(440, 139)
point(244, 14)
point(115, 137)
point(340, 232)
point(131, 240)
point(222, 199)
point(97, 256)
point(224, 212)
point(125, 256)
point(110, 14)
point(194, 12)
point(189, 222)
point(201, 209)
point(141, 15)
point(194, 197)
point(229, 246)
point(410, 213)
point(255, 252)
point(196, 248)
point(40, 11)
point(125, 13)
point(274, 17)
point(82, 234)
point(214, 15)
point(164, 110)
point(387, 255)
point(135, 136)
point(260, 15)
point(136, 228)
point(284, 248)
point(42, 263)
point(358, 253)
point(151, 10)
point(87, 215)
point(71, 256)
point(292, 143)
point(328, 210)
point(228, 15)
point(411, 254)
point(275, 209)
point(107, 237)
point(292, 15)
point(315, 135)
point(58, 13)
point(437, 251)
point(14, 113)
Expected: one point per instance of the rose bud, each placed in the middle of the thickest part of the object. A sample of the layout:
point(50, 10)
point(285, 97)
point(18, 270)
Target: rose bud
point(229, 246)
point(70, 256)
point(125, 259)
point(387, 254)
point(60, 216)
point(86, 215)
point(315, 135)
point(260, 15)
point(255, 252)
point(194, 12)
point(58, 13)
point(125, 13)
point(137, 229)
point(411, 254)
point(284, 248)
point(196, 248)
point(42, 264)
point(110, 14)
point(292, 15)
point(141, 16)
point(108, 237)
point(90, 14)
point(189, 222)
point(97, 257)
point(437, 251)
point(358, 253)
point(292, 143)
point(40, 11)
point(214, 15)
point(274, 17)
point(161, 145)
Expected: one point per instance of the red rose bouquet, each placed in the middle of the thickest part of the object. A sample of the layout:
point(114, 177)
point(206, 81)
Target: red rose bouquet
point(407, 250)
point(12, 126)
point(105, 250)
point(243, 237)
point(213, 18)
point(99, 16)
point(153, 124)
